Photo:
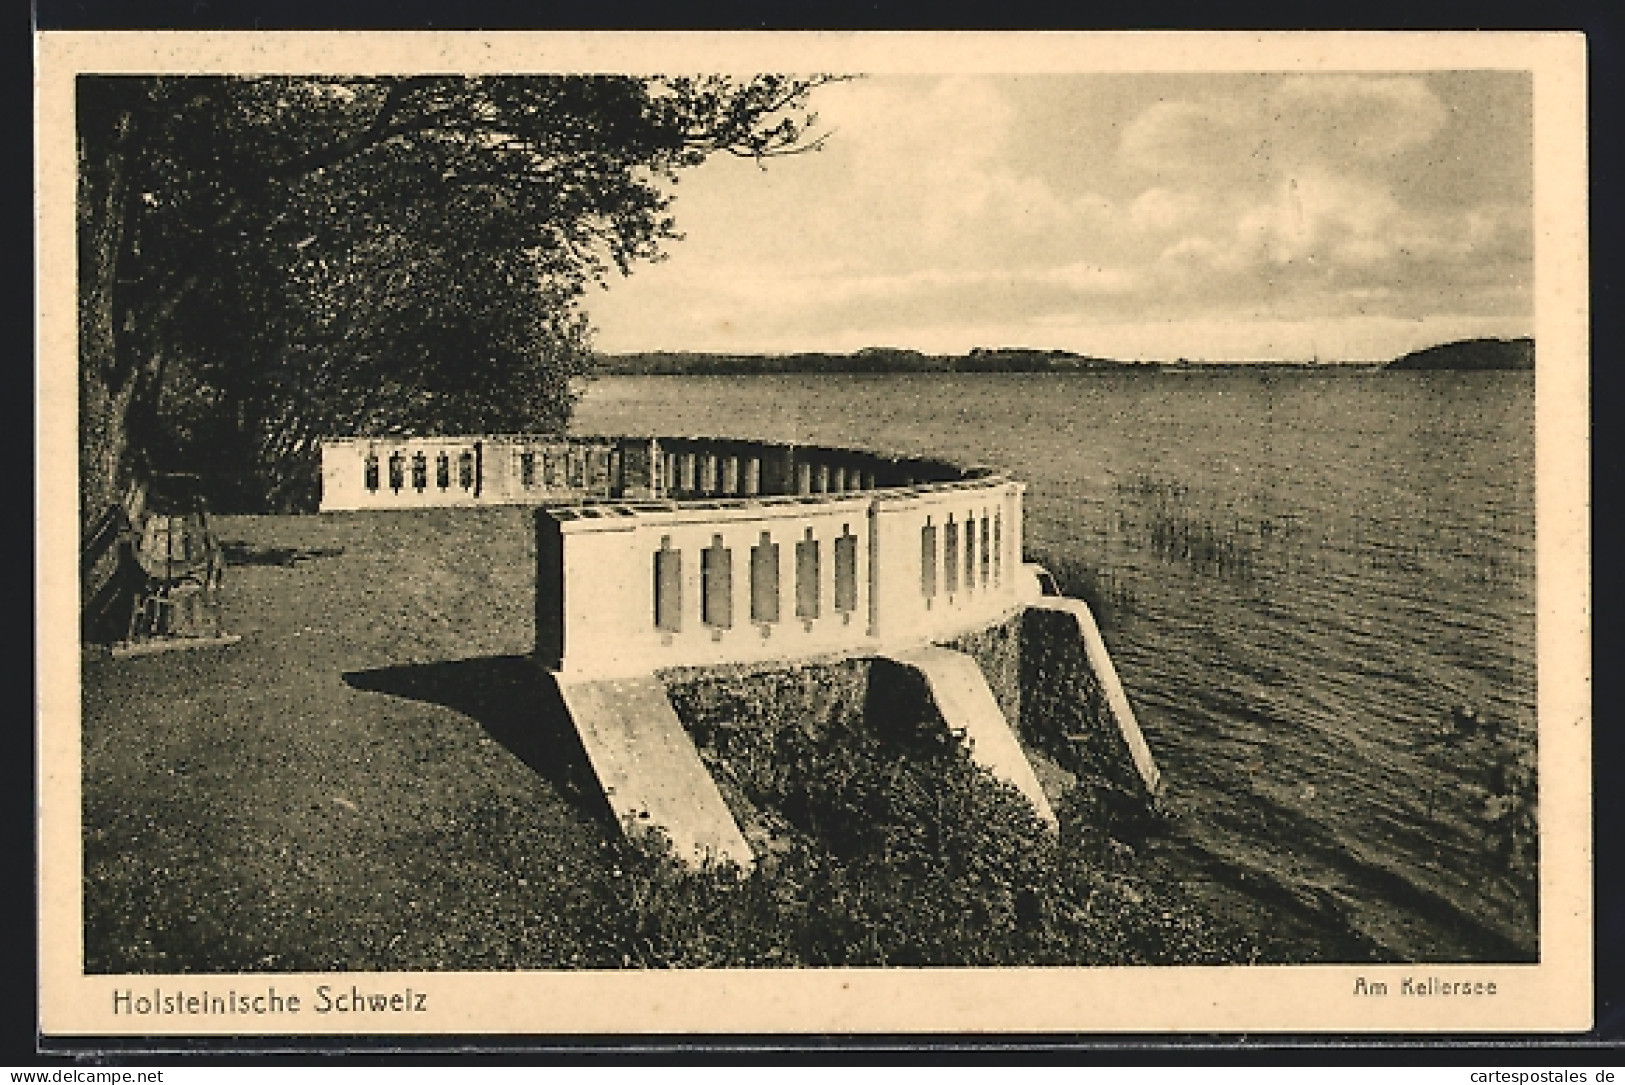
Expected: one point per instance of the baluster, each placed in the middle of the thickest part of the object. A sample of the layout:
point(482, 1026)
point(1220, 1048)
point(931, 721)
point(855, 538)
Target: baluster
point(716, 586)
point(668, 587)
point(970, 552)
point(807, 581)
point(987, 528)
point(764, 581)
point(928, 561)
point(846, 573)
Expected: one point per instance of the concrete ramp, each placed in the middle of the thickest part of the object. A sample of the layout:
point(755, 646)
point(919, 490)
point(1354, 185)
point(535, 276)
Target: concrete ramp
point(1100, 662)
point(649, 769)
point(967, 706)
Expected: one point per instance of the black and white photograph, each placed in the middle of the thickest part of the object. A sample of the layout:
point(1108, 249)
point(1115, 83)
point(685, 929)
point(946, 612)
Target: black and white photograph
point(599, 533)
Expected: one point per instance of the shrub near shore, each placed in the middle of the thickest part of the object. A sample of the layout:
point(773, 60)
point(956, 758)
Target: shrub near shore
point(887, 845)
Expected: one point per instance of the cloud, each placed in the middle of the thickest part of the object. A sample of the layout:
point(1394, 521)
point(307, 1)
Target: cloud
point(1359, 117)
point(1317, 216)
point(932, 162)
point(1064, 204)
point(1287, 200)
point(947, 118)
point(1163, 210)
point(750, 297)
point(1187, 139)
point(1291, 122)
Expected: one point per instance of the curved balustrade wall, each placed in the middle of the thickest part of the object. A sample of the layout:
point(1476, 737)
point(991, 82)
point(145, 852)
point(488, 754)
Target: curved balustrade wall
point(667, 552)
point(418, 472)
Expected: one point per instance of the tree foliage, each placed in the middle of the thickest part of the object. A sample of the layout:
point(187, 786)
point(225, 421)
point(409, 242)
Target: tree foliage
point(265, 261)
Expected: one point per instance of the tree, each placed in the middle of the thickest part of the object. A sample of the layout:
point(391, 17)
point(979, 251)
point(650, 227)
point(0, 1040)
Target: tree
point(265, 261)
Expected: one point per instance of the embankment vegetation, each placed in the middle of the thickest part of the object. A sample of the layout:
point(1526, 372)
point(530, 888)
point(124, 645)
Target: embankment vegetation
point(886, 845)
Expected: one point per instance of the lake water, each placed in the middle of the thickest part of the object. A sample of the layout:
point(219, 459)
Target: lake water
point(1299, 576)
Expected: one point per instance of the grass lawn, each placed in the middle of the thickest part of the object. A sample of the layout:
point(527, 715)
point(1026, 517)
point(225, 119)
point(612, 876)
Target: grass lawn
point(372, 779)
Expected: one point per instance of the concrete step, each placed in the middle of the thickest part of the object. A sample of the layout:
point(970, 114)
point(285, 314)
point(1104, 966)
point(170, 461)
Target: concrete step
point(649, 769)
point(967, 706)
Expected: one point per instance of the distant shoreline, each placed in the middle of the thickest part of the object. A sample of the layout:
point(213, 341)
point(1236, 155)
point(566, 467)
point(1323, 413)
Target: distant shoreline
point(1471, 354)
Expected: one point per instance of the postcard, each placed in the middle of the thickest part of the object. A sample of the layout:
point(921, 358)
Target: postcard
point(830, 532)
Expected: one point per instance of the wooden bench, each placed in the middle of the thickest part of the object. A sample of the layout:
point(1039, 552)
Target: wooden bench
point(151, 570)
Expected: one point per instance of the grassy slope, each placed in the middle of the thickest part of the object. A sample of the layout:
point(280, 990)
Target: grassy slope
point(331, 792)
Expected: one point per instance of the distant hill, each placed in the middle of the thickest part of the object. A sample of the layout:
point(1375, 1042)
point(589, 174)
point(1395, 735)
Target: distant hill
point(867, 360)
point(904, 360)
point(1471, 354)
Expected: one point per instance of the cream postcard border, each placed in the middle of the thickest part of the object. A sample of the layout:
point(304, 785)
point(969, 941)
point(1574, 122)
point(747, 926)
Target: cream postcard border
point(1555, 995)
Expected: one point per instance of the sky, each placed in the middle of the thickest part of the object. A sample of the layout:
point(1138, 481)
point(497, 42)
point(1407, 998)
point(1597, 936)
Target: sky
point(1210, 217)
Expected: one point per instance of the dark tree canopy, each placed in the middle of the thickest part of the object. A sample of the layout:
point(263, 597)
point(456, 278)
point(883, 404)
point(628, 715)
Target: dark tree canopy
point(266, 261)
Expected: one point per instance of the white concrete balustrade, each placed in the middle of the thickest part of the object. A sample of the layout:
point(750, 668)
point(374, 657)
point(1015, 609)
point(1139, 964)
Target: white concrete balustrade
point(625, 589)
point(666, 552)
point(426, 472)
point(654, 554)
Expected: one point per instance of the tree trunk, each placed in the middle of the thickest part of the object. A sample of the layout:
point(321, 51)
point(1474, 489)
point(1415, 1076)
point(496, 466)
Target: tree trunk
point(122, 306)
point(105, 394)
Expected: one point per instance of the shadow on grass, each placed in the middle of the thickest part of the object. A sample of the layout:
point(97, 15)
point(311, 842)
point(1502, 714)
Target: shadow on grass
point(519, 706)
